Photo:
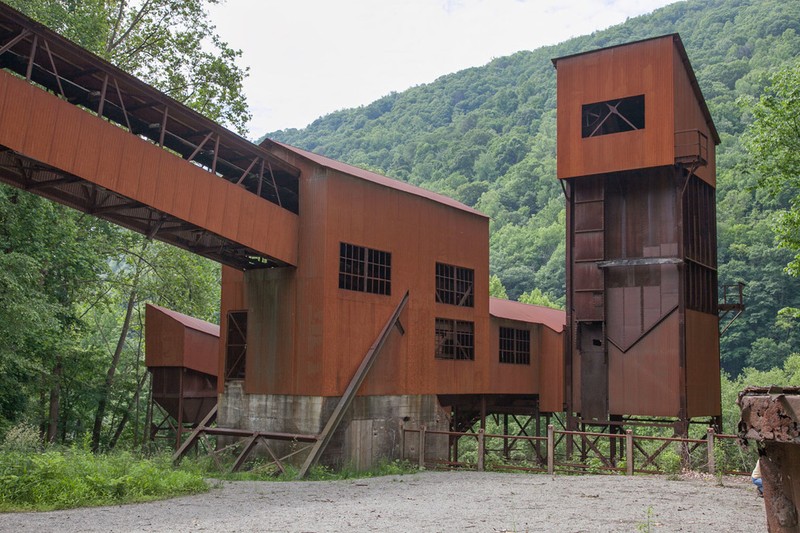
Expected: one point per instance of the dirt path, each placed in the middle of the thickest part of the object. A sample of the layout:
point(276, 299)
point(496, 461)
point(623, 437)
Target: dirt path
point(432, 501)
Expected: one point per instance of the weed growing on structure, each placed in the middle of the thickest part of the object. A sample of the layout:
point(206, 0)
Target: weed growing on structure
point(62, 478)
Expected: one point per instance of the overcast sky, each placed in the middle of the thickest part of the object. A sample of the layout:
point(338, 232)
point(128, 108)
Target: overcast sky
point(308, 58)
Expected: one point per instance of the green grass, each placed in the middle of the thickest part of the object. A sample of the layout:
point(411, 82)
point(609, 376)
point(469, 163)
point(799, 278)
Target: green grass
point(61, 479)
point(259, 470)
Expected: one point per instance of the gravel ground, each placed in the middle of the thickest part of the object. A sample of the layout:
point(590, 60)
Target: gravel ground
point(433, 501)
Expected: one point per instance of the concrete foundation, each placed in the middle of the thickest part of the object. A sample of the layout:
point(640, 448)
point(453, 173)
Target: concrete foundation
point(370, 432)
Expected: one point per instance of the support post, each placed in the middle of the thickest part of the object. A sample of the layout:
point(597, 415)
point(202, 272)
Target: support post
point(350, 392)
point(711, 459)
point(481, 449)
point(550, 449)
point(421, 447)
point(629, 452)
point(402, 440)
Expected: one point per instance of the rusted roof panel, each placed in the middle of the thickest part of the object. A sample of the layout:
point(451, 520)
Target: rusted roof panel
point(554, 319)
point(189, 321)
point(374, 177)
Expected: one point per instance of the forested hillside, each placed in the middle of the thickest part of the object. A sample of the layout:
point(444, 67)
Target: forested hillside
point(486, 136)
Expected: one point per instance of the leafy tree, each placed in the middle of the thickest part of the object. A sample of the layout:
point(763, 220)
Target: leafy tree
point(496, 289)
point(773, 141)
point(537, 297)
point(74, 286)
point(171, 44)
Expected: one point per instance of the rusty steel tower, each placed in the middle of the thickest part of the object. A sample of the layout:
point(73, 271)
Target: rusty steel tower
point(636, 163)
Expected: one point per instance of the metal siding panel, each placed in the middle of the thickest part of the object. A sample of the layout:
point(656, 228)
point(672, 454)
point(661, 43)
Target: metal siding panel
point(40, 134)
point(245, 229)
point(702, 364)
point(133, 159)
point(67, 128)
point(632, 313)
point(605, 75)
point(151, 167)
point(182, 197)
point(108, 165)
point(16, 108)
point(165, 181)
point(201, 192)
point(644, 380)
point(218, 194)
point(90, 138)
point(232, 211)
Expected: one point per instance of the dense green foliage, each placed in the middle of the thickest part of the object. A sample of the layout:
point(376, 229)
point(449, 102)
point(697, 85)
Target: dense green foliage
point(72, 287)
point(486, 136)
point(74, 477)
point(773, 141)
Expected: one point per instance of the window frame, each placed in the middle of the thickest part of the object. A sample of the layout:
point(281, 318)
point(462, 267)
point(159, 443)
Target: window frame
point(455, 285)
point(454, 340)
point(517, 349)
point(363, 269)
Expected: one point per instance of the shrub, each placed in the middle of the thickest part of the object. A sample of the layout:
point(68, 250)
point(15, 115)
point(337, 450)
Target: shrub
point(59, 479)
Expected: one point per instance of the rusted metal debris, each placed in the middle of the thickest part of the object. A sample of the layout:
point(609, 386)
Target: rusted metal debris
point(770, 414)
point(771, 417)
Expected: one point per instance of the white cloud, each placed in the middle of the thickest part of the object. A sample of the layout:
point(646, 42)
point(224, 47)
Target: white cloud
point(311, 57)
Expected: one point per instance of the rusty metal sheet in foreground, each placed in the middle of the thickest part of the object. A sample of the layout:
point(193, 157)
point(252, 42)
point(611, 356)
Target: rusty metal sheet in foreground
point(770, 414)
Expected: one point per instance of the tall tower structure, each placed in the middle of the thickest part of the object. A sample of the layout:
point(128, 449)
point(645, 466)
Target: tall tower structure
point(636, 162)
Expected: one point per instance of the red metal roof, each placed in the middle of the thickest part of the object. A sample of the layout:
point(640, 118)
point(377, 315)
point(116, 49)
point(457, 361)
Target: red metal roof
point(554, 319)
point(189, 321)
point(375, 178)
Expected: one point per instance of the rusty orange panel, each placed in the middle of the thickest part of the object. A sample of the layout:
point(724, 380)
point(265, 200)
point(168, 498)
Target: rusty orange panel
point(231, 211)
point(201, 192)
point(110, 161)
point(166, 183)
point(38, 139)
point(247, 214)
point(182, 198)
point(689, 116)
point(645, 380)
point(90, 138)
point(702, 364)
point(149, 174)
point(551, 379)
point(629, 70)
point(510, 378)
point(163, 339)
point(218, 194)
point(68, 125)
point(16, 110)
point(129, 166)
point(233, 298)
point(177, 340)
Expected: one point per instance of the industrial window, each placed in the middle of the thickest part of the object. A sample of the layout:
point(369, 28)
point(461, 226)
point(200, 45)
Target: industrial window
point(454, 285)
point(236, 345)
point(515, 346)
point(455, 339)
point(612, 116)
point(364, 269)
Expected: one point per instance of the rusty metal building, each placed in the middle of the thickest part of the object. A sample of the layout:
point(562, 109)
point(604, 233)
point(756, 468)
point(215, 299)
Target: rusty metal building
point(181, 354)
point(364, 241)
point(328, 264)
point(636, 161)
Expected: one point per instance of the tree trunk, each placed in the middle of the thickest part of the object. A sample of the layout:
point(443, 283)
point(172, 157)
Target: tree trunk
point(134, 403)
point(105, 391)
point(55, 401)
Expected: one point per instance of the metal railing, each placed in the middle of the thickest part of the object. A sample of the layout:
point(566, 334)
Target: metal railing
point(588, 452)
